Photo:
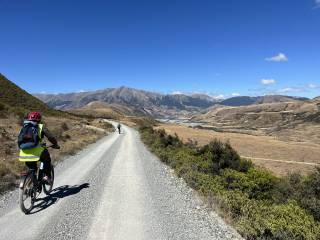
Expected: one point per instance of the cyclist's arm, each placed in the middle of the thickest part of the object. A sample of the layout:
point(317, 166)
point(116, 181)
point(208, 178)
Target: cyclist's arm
point(50, 136)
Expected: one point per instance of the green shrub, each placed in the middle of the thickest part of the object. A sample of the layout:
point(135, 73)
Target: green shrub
point(256, 183)
point(287, 221)
point(287, 188)
point(233, 203)
point(224, 156)
point(208, 184)
point(312, 205)
point(310, 194)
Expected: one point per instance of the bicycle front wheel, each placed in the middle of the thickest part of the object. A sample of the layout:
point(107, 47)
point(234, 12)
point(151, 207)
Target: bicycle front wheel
point(26, 194)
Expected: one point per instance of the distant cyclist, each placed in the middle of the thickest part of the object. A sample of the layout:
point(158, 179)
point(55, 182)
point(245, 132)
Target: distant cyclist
point(29, 141)
point(119, 128)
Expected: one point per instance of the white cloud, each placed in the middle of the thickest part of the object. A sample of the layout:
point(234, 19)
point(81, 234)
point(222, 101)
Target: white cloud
point(220, 96)
point(268, 81)
point(235, 94)
point(291, 90)
point(288, 90)
point(285, 90)
point(317, 3)
point(176, 93)
point(281, 57)
point(311, 85)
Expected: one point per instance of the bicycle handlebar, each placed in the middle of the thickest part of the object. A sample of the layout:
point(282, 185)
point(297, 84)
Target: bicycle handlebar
point(51, 146)
point(54, 146)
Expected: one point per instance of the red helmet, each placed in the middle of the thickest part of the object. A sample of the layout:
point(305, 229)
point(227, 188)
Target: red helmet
point(34, 116)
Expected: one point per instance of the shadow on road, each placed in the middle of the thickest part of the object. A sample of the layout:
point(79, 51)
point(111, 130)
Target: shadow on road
point(57, 194)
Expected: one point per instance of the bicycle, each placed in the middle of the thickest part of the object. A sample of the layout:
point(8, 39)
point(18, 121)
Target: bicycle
point(31, 185)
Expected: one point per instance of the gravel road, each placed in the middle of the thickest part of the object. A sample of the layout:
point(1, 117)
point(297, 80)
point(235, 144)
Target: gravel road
point(114, 189)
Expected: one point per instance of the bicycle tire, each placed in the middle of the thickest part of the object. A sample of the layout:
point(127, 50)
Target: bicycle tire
point(26, 190)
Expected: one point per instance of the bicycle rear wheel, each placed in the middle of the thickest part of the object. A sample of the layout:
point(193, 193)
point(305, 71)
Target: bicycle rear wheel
point(47, 187)
point(26, 194)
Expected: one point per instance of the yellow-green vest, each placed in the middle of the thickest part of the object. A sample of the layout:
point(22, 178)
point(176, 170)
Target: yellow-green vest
point(32, 154)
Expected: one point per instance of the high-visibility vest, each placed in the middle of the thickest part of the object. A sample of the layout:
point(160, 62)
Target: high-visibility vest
point(32, 154)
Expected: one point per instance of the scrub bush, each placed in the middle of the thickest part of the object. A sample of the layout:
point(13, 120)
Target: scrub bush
point(224, 156)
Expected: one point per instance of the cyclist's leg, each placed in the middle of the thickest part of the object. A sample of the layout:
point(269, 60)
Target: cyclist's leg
point(46, 159)
point(32, 166)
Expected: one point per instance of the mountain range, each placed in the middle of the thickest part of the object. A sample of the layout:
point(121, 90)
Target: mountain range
point(255, 115)
point(154, 104)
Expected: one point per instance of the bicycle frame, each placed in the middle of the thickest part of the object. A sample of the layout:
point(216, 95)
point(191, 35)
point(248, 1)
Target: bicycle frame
point(35, 175)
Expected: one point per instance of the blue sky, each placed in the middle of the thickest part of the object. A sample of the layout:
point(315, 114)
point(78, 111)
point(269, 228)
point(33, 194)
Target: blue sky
point(218, 47)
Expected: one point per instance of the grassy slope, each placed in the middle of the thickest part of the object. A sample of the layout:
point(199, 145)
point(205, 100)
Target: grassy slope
point(16, 100)
point(100, 112)
point(258, 204)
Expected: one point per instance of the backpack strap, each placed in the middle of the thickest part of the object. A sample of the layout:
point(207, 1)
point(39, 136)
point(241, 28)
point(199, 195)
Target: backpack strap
point(40, 128)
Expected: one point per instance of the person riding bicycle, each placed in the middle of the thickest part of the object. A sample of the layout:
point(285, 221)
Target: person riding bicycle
point(119, 127)
point(29, 141)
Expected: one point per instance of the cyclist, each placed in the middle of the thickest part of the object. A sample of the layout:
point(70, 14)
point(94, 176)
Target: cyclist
point(119, 127)
point(30, 146)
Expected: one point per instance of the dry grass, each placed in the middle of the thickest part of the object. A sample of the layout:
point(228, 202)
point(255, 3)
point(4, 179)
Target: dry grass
point(289, 121)
point(105, 112)
point(258, 147)
point(72, 133)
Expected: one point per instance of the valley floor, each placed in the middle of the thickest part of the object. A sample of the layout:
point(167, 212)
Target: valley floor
point(276, 154)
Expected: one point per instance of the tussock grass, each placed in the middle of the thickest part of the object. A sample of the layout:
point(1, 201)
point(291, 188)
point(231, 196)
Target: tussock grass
point(258, 204)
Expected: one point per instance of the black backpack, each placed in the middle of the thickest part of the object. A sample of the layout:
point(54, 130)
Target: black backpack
point(29, 135)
